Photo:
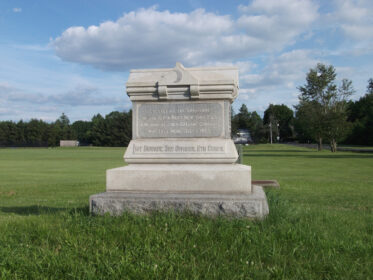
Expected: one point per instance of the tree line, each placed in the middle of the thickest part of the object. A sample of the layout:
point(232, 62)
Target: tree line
point(325, 114)
point(115, 129)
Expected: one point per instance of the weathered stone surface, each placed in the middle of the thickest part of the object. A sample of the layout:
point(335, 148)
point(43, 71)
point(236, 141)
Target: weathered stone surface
point(180, 178)
point(180, 83)
point(180, 119)
point(253, 205)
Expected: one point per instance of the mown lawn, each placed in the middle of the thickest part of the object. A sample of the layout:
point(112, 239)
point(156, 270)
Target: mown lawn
point(320, 224)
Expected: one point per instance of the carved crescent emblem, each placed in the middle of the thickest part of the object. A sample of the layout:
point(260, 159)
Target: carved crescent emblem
point(178, 75)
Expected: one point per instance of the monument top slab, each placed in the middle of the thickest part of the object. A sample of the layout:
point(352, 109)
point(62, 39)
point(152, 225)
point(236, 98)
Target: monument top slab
point(182, 83)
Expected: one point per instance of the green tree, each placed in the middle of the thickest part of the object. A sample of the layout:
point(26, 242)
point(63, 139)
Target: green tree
point(54, 135)
point(66, 133)
point(36, 133)
point(118, 124)
point(21, 137)
point(244, 117)
point(8, 132)
point(280, 118)
point(308, 123)
point(250, 121)
point(257, 128)
point(100, 135)
point(2, 134)
point(83, 131)
point(337, 125)
point(326, 105)
point(360, 113)
point(370, 86)
point(234, 122)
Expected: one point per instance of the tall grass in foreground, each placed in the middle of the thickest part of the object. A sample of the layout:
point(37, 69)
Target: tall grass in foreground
point(320, 224)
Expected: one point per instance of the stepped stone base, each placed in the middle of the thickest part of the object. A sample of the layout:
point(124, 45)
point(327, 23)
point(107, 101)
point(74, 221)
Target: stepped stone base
point(180, 178)
point(252, 205)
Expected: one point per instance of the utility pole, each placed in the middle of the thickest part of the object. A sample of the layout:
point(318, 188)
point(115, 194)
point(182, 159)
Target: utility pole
point(270, 130)
point(278, 133)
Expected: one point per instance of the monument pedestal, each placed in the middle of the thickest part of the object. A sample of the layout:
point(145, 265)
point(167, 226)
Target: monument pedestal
point(246, 205)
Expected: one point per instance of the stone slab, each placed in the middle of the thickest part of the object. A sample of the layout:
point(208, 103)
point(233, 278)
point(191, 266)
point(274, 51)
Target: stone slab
point(253, 205)
point(193, 150)
point(266, 183)
point(180, 178)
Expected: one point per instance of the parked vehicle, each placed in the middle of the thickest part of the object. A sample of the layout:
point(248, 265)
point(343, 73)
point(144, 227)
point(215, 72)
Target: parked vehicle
point(242, 137)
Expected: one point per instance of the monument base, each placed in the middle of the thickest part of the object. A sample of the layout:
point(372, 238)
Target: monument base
point(180, 178)
point(252, 205)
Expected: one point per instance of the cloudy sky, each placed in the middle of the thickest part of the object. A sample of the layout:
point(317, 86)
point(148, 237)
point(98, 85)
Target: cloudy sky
point(74, 56)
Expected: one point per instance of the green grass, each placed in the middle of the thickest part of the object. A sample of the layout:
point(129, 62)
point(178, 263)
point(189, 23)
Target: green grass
point(320, 224)
point(357, 147)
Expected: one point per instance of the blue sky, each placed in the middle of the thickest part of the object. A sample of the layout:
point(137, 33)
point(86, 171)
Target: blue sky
point(74, 56)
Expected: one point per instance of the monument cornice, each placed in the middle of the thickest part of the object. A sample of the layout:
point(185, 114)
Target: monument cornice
point(182, 83)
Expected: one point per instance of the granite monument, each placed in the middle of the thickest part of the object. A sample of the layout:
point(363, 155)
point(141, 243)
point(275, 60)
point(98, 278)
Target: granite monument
point(181, 156)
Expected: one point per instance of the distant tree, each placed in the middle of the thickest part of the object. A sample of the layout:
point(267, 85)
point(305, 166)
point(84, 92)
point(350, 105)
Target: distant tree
point(54, 135)
point(8, 130)
point(234, 123)
point(118, 124)
point(36, 133)
point(244, 117)
point(113, 130)
point(83, 131)
point(326, 105)
point(257, 128)
point(370, 86)
point(100, 135)
point(66, 133)
point(63, 120)
point(280, 117)
point(360, 113)
point(2, 134)
point(308, 123)
point(250, 121)
point(315, 96)
point(336, 119)
point(21, 137)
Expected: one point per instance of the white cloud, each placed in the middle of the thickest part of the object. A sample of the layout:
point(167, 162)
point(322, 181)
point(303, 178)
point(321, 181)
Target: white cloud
point(281, 71)
point(79, 102)
point(81, 95)
point(277, 82)
point(17, 10)
point(281, 20)
point(152, 38)
point(354, 17)
point(85, 96)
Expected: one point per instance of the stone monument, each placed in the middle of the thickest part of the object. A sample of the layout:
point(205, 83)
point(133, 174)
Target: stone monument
point(181, 156)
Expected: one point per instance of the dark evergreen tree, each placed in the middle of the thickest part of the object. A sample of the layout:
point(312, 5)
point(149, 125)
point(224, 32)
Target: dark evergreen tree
point(113, 130)
point(118, 126)
point(280, 118)
point(83, 131)
point(250, 121)
point(360, 113)
point(100, 135)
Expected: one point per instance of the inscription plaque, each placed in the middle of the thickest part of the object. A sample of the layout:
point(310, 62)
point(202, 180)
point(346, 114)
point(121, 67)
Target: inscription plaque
point(179, 119)
point(178, 148)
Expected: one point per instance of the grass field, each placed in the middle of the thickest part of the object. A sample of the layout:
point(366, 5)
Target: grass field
point(320, 224)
